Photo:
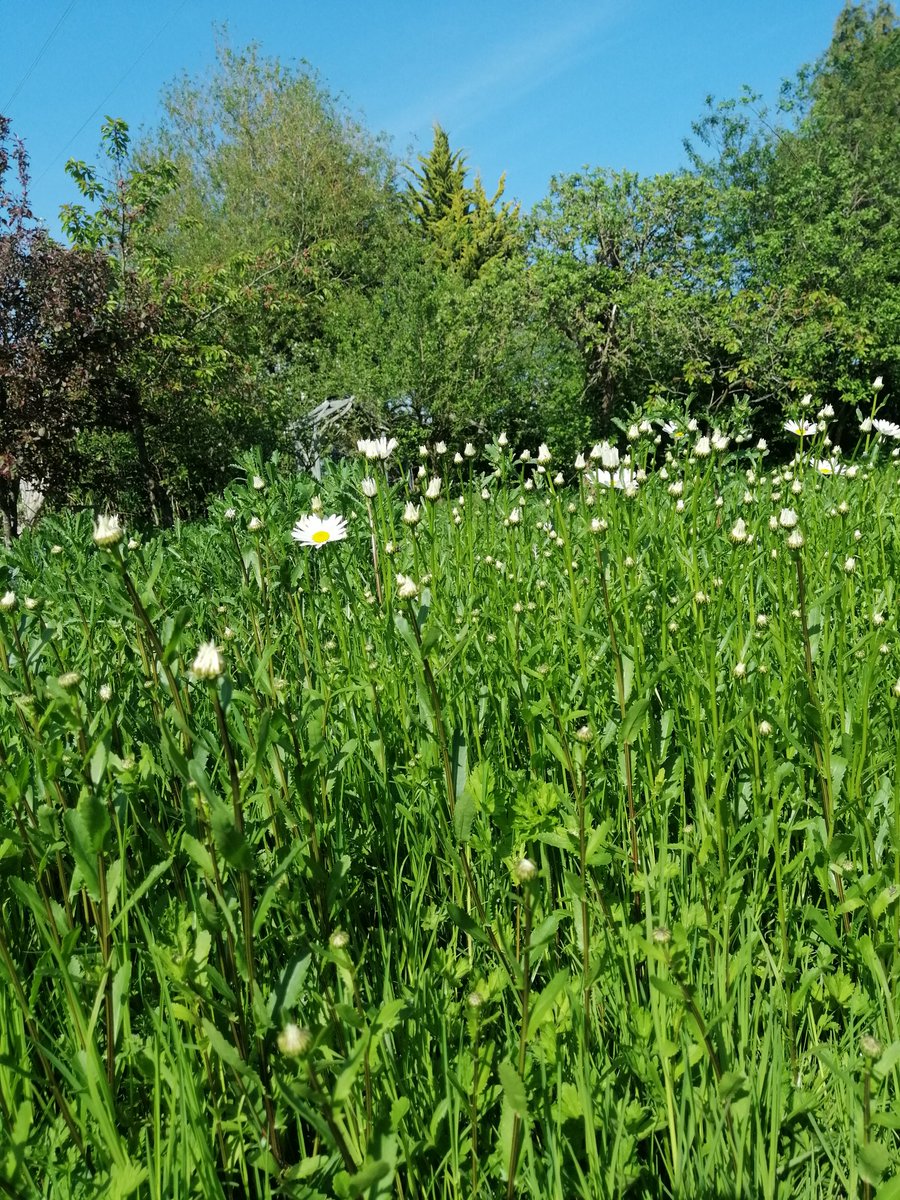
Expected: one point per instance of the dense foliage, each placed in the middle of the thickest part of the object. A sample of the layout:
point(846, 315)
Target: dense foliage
point(521, 839)
point(267, 252)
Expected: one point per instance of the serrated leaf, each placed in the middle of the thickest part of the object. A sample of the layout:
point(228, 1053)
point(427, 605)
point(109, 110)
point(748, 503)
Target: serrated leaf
point(634, 720)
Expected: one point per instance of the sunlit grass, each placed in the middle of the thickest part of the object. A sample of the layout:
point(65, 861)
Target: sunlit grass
point(539, 837)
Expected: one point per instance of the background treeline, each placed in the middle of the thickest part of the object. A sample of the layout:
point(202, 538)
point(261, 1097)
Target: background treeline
point(262, 251)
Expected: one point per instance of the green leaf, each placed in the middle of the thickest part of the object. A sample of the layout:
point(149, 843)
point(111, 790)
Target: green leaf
point(513, 1088)
point(87, 826)
point(874, 1160)
point(224, 1049)
point(634, 720)
point(286, 992)
point(463, 816)
point(543, 1005)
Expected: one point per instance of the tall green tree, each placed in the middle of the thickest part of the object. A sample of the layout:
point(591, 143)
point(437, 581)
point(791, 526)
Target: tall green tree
point(465, 228)
point(812, 195)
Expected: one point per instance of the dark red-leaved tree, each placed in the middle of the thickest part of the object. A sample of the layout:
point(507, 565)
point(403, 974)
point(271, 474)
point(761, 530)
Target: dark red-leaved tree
point(61, 344)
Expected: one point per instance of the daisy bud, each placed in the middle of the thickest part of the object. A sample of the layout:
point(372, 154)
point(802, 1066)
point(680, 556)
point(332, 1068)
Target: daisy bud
point(661, 936)
point(407, 589)
point(369, 487)
point(764, 729)
point(255, 524)
point(524, 870)
point(7, 602)
point(795, 541)
point(258, 483)
point(869, 1046)
point(441, 448)
point(458, 458)
point(877, 383)
point(411, 514)
point(107, 531)
point(294, 1041)
point(229, 514)
point(208, 663)
point(502, 440)
point(850, 564)
point(105, 693)
point(433, 491)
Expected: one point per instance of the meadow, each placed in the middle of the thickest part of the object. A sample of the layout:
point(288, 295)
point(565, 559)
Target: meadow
point(502, 832)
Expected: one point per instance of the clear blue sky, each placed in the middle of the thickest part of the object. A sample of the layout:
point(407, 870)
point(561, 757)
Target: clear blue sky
point(528, 87)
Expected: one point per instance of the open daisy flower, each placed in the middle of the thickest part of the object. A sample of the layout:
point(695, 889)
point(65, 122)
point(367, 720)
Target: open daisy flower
point(830, 466)
point(886, 428)
point(673, 430)
point(801, 428)
point(622, 479)
point(316, 531)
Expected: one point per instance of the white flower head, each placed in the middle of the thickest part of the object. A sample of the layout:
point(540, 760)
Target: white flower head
point(406, 587)
point(702, 447)
point(377, 449)
point(622, 479)
point(411, 514)
point(7, 601)
point(830, 466)
point(230, 514)
point(258, 483)
point(877, 383)
point(515, 516)
point(739, 532)
point(208, 663)
point(254, 524)
point(294, 1041)
point(787, 518)
point(315, 531)
point(433, 491)
point(502, 440)
point(795, 541)
point(107, 531)
point(369, 487)
point(469, 450)
point(441, 448)
point(543, 455)
point(886, 428)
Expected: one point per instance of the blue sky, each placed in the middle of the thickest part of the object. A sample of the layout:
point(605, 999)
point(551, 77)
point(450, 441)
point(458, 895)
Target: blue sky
point(531, 88)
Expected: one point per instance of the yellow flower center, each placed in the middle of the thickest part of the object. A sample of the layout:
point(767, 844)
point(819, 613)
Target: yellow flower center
point(320, 536)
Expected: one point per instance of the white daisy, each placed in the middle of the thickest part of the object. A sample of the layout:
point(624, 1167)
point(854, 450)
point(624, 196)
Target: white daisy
point(316, 531)
point(801, 428)
point(622, 479)
point(886, 428)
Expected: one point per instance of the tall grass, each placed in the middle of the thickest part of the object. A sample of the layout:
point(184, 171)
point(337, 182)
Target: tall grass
point(566, 864)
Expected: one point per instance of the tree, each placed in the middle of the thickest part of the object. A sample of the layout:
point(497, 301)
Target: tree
point(632, 274)
point(465, 229)
point(813, 205)
point(60, 345)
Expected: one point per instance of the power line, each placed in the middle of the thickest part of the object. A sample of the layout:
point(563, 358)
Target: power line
point(39, 56)
point(165, 25)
